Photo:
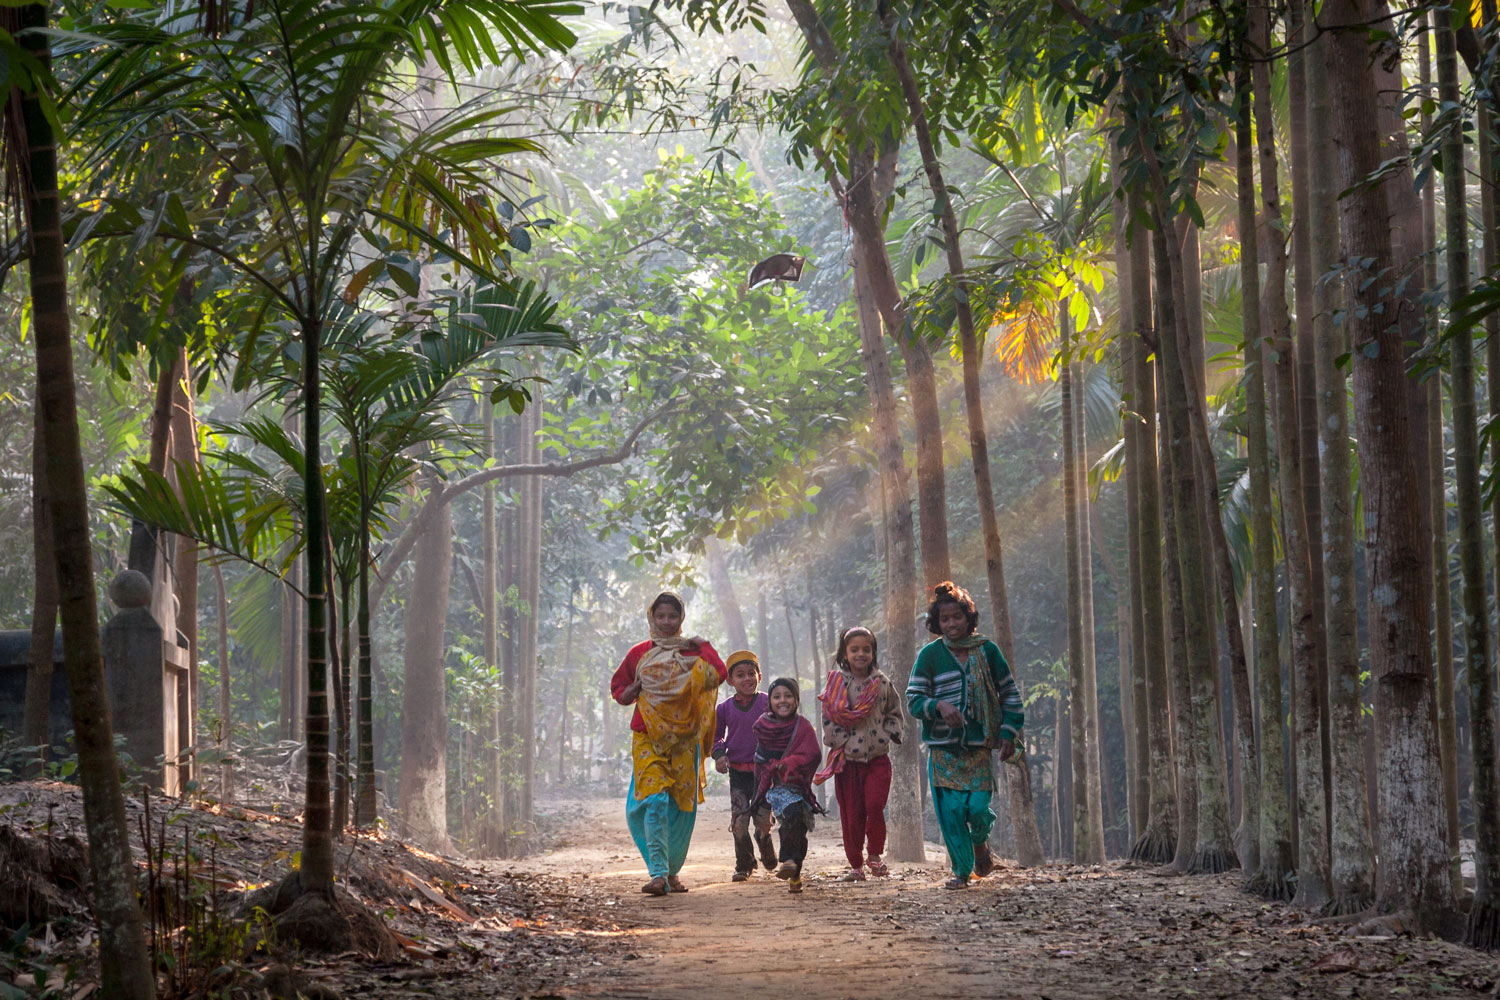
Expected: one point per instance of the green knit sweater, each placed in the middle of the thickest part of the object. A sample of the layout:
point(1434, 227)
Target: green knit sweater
point(938, 676)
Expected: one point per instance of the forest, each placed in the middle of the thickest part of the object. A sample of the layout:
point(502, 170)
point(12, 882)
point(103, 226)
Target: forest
point(373, 370)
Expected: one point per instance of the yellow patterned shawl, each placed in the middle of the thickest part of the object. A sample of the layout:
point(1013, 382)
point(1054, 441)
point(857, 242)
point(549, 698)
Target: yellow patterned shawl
point(677, 702)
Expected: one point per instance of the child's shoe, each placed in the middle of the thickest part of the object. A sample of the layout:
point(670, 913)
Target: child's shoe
point(795, 885)
point(675, 884)
point(956, 883)
point(878, 868)
point(788, 869)
point(853, 875)
point(656, 887)
point(984, 861)
point(740, 877)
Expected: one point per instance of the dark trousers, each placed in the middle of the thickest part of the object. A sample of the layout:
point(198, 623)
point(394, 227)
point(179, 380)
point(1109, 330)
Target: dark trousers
point(741, 792)
point(793, 824)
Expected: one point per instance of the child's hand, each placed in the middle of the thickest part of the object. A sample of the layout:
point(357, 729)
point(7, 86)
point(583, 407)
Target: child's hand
point(950, 714)
point(1007, 747)
point(721, 764)
point(631, 692)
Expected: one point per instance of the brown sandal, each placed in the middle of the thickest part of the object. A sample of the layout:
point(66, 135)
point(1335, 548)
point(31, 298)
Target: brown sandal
point(675, 884)
point(656, 887)
point(956, 883)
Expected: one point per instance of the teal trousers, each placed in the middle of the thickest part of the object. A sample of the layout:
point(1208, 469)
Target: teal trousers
point(661, 830)
point(965, 819)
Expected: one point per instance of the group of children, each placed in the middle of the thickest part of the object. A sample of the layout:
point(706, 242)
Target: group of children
point(961, 690)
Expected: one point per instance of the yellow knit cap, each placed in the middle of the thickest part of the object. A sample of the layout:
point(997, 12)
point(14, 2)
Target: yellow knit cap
point(741, 656)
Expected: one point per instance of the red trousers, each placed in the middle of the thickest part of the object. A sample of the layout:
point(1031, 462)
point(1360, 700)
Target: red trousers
point(861, 789)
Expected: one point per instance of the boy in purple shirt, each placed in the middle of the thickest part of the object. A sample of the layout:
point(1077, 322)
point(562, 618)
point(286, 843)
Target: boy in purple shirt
point(734, 754)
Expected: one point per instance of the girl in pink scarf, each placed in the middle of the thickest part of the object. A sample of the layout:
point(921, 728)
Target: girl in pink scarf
point(787, 755)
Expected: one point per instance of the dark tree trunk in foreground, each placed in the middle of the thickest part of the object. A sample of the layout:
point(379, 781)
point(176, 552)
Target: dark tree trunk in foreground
point(126, 971)
point(932, 480)
point(1413, 876)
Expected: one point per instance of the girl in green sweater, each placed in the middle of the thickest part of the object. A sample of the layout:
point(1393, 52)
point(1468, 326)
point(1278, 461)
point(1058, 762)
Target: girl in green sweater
point(962, 691)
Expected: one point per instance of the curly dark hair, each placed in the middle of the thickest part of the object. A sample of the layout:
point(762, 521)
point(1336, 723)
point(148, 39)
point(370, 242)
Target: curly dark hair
point(949, 592)
point(855, 632)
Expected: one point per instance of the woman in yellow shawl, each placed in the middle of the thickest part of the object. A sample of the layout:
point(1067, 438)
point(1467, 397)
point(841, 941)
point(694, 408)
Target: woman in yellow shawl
point(672, 681)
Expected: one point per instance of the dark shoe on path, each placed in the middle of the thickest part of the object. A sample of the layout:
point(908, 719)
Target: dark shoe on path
point(656, 887)
point(740, 877)
point(788, 869)
point(984, 861)
point(795, 885)
point(956, 883)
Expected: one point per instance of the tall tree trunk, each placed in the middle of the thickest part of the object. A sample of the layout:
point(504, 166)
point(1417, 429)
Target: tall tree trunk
point(490, 827)
point(1268, 867)
point(724, 594)
point(184, 444)
point(226, 704)
point(1138, 733)
point(531, 591)
point(932, 481)
point(1213, 850)
point(126, 969)
point(1158, 842)
point(424, 718)
point(763, 624)
point(1484, 917)
point(1443, 680)
point(1023, 813)
point(1352, 863)
point(1098, 786)
point(791, 632)
point(37, 711)
point(1413, 875)
point(1088, 824)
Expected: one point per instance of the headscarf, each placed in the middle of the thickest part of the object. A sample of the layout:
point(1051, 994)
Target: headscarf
point(677, 688)
point(772, 734)
point(982, 701)
point(842, 710)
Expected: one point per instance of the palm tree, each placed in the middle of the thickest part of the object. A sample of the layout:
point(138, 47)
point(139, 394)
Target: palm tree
point(293, 101)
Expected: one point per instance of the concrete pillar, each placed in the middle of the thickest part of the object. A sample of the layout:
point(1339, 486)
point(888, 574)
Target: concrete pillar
point(143, 686)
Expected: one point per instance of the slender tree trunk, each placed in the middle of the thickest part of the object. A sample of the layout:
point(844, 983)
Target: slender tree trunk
point(1027, 844)
point(791, 632)
point(1098, 787)
point(126, 970)
point(1088, 824)
point(1158, 842)
point(226, 704)
point(905, 808)
point(490, 827)
point(184, 444)
point(37, 711)
point(365, 807)
point(1413, 875)
point(424, 718)
point(932, 482)
point(1443, 680)
point(1213, 850)
point(1484, 917)
point(1352, 864)
point(531, 593)
point(763, 624)
point(724, 594)
point(1269, 866)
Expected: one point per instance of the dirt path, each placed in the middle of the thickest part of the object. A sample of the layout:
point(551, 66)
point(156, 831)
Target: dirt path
point(1060, 932)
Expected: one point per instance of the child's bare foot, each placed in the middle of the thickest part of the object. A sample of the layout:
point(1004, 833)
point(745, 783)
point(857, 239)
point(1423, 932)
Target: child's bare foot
point(787, 869)
point(956, 883)
point(655, 887)
point(675, 884)
point(984, 861)
point(878, 868)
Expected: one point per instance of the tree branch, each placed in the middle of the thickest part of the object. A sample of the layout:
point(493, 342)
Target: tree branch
point(439, 498)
